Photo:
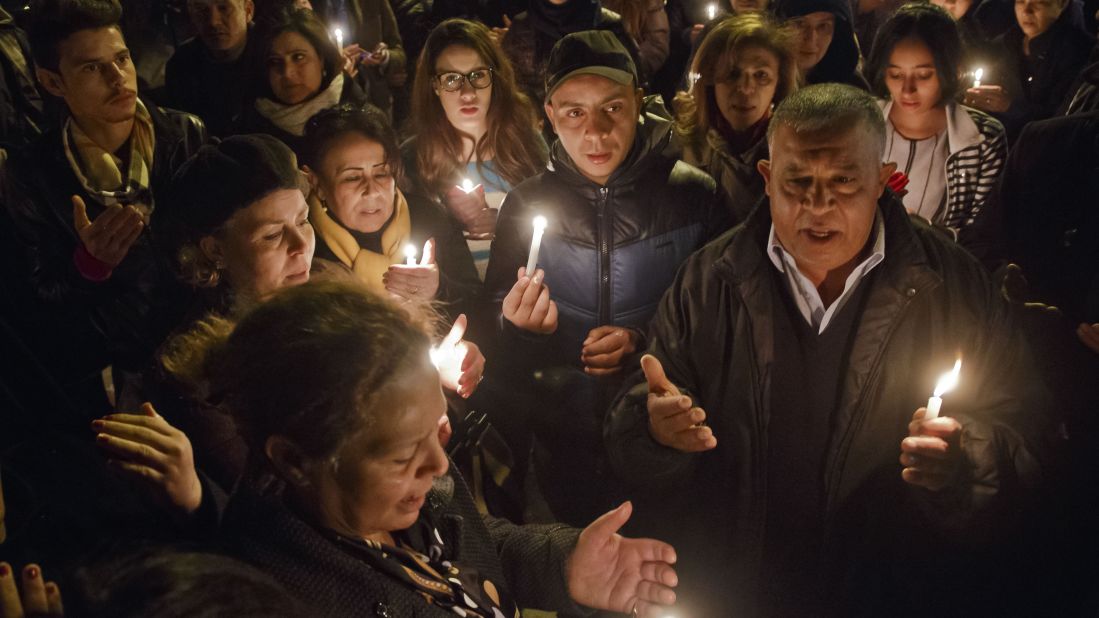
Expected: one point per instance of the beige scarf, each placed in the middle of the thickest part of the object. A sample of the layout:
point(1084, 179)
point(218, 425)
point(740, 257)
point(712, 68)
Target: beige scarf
point(100, 172)
point(292, 118)
point(367, 265)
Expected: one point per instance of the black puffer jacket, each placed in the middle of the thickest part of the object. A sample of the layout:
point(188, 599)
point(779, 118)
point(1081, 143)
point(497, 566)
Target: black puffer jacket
point(609, 253)
point(141, 301)
point(882, 538)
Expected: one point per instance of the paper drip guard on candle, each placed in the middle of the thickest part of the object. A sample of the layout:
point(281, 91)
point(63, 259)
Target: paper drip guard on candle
point(410, 255)
point(946, 383)
point(535, 243)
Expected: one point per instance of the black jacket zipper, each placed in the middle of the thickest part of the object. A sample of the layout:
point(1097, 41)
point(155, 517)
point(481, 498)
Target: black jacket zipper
point(603, 218)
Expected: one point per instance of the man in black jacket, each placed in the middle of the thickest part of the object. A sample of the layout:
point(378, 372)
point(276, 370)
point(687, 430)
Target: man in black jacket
point(789, 361)
point(81, 196)
point(622, 217)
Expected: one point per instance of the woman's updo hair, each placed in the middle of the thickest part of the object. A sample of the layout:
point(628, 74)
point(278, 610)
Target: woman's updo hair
point(696, 108)
point(935, 28)
point(210, 187)
point(334, 123)
point(311, 364)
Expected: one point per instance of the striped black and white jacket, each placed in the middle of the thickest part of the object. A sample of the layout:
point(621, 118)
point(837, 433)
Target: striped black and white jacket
point(978, 149)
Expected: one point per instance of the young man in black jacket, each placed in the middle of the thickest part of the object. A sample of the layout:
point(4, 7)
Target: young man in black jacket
point(621, 218)
point(789, 362)
point(81, 196)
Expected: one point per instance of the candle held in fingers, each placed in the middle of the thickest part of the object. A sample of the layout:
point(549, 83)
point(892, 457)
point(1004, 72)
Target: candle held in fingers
point(467, 185)
point(535, 244)
point(410, 255)
point(711, 11)
point(946, 383)
point(338, 33)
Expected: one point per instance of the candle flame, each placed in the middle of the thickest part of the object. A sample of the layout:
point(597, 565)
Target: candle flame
point(467, 185)
point(410, 251)
point(978, 74)
point(540, 223)
point(448, 361)
point(711, 10)
point(948, 380)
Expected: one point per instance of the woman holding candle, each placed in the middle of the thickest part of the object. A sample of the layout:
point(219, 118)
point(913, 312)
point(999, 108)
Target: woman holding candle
point(365, 222)
point(1037, 62)
point(472, 124)
point(296, 72)
point(951, 154)
point(746, 66)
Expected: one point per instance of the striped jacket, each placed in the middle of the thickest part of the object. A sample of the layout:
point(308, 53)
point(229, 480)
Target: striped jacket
point(978, 149)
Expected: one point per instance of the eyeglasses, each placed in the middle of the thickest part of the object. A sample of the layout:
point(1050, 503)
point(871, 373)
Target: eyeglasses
point(451, 81)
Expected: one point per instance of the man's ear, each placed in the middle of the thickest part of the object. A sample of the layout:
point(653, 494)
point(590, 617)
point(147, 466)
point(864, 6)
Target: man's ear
point(288, 460)
point(764, 167)
point(249, 11)
point(548, 107)
point(51, 81)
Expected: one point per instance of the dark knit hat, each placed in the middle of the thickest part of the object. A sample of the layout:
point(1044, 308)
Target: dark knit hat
point(591, 52)
point(222, 178)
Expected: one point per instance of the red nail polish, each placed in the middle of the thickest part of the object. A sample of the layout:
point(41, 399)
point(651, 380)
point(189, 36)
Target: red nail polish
point(4, 569)
point(32, 572)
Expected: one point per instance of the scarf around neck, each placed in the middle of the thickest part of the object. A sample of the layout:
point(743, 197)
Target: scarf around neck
point(292, 118)
point(368, 265)
point(100, 172)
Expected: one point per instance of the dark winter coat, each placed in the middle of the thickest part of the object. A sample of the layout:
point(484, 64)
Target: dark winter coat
point(926, 302)
point(840, 63)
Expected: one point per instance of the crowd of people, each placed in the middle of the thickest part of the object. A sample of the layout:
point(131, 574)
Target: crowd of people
point(491, 307)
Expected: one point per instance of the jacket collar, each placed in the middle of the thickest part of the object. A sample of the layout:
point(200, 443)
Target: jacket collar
point(961, 131)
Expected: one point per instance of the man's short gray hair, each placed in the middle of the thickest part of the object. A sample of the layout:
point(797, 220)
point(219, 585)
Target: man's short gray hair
point(827, 108)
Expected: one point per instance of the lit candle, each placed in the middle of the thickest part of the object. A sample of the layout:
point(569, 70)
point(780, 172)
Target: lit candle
point(467, 185)
point(451, 352)
point(711, 11)
point(339, 38)
point(977, 75)
point(410, 255)
point(692, 79)
point(946, 383)
point(535, 244)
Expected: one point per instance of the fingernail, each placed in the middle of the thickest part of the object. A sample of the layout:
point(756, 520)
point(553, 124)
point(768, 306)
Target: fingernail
point(4, 569)
point(32, 572)
point(537, 279)
point(102, 437)
point(97, 425)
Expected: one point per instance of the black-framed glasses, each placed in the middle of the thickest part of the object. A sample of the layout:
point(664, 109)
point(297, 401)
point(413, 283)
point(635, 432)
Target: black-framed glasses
point(451, 81)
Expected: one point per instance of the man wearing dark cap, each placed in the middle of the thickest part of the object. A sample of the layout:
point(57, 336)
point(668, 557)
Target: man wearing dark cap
point(621, 217)
point(83, 192)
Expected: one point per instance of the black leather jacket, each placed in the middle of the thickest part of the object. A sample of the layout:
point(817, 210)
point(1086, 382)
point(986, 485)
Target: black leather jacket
point(133, 309)
point(928, 302)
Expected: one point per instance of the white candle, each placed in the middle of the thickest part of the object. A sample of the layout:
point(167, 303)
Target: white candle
point(535, 244)
point(946, 383)
point(339, 38)
point(410, 255)
point(692, 79)
point(977, 75)
point(711, 11)
point(467, 185)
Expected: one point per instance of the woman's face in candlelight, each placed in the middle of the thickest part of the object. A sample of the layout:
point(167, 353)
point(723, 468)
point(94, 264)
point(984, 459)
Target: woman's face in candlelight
point(383, 474)
point(744, 86)
point(911, 77)
point(294, 69)
point(355, 183)
point(1036, 16)
point(266, 246)
point(467, 107)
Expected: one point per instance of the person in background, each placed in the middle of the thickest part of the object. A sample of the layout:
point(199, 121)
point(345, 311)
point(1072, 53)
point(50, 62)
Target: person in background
point(296, 72)
point(84, 192)
point(647, 24)
point(825, 45)
point(207, 74)
point(1036, 65)
point(371, 26)
point(22, 109)
point(355, 507)
point(473, 123)
point(534, 32)
point(621, 217)
point(365, 222)
point(952, 154)
point(744, 67)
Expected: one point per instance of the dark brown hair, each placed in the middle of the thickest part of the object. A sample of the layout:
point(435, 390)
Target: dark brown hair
point(512, 137)
point(935, 28)
point(307, 24)
point(53, 21)
point(331, 124)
